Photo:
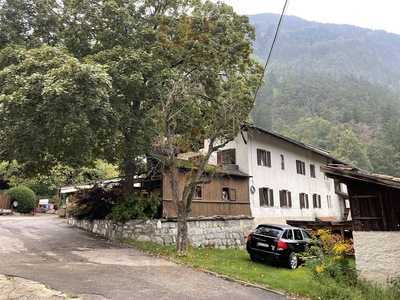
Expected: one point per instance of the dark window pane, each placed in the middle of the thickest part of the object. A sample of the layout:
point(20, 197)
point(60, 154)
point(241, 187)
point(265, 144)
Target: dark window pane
point(265, 230)
point(297, 235)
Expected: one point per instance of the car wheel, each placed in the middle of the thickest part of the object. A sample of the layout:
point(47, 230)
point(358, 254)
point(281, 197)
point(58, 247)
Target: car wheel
point(254, 258)
point(293, 261)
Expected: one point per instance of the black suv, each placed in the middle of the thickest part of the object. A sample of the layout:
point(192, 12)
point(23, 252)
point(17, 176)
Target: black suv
point(281, 243)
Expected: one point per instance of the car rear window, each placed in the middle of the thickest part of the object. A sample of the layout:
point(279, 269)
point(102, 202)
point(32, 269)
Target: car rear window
point(269, 231)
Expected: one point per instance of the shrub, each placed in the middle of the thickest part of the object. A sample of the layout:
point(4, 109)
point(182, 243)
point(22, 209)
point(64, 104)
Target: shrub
point(96, 203)
point(25, 197)
point(328, 256)
point(136, 206)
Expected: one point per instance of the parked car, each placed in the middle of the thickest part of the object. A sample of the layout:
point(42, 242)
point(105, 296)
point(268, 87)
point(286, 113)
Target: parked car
point(280, 243)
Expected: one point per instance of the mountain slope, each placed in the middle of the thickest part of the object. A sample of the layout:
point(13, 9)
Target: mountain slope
point(335, 86)
point(337, 50)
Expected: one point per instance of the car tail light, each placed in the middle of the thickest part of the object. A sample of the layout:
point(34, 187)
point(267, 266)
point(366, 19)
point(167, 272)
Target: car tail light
point(281, 245)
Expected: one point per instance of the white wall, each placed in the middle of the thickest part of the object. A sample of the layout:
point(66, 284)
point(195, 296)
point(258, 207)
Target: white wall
point(377, 254)
point(277, 179)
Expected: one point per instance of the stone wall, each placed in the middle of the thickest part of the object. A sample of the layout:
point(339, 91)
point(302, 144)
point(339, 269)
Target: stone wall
point(218, 232)
point(377, 254)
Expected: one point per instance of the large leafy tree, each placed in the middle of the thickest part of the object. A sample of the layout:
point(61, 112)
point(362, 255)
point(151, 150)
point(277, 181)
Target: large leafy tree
point(89, 69)
point(207, 94)
point(167, 72)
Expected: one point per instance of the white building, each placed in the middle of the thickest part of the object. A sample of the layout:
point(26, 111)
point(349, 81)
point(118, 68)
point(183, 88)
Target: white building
point(286, 182)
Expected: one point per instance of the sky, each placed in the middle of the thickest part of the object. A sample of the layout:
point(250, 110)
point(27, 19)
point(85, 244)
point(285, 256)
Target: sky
point(373, 14)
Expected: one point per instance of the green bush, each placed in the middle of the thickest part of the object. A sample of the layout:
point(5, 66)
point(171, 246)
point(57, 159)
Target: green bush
point(95, 204)
point(136, 206)
point(25, 197)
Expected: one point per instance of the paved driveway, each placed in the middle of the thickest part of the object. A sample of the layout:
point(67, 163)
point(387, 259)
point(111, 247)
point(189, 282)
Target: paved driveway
point(45, 249)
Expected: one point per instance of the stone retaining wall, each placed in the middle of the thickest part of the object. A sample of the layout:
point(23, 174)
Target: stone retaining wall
point(377, 254)
point(217, 232)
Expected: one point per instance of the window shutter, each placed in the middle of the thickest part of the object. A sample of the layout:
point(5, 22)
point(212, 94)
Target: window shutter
point(269, 159)
point(271, 197)
point(289, 194)
point(301, 200)
point(307, 203)
point(233, 156)
point(261, 196)
point(232, 193)
point(219, 158)
point(319, 201)
point(281, 200)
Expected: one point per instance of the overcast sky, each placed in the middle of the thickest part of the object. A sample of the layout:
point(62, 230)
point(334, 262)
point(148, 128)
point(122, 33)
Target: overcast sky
point(374, 14)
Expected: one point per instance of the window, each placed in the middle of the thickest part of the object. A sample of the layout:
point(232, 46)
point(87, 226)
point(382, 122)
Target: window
point(282, 162)
point(228, 194)
point(263, 158)
point(306, 235)
point(226, 157)
point(268, 231)
point(329, 201)
point(285, 198)
point(198, 192)
point(312, 171)
point(304, 200)
point(266, 197)
point(316, 201)
point(297, 235)
point(301, 167)
point(288, 234)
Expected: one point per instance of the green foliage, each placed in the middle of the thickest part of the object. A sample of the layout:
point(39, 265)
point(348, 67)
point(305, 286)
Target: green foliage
point(343, 98)
point(25, 197)
point(136, 206)
point(95, 204)
point(46, 185)
point(55, 109)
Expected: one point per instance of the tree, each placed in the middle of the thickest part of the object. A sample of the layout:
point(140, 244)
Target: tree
point(350, 149)
point(207, 94)
point(109, 40)
point(54, 109)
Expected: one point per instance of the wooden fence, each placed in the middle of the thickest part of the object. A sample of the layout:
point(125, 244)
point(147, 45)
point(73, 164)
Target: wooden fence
point(4, 201)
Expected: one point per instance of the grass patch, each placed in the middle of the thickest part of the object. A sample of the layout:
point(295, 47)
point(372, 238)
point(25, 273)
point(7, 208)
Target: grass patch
point(236, 263)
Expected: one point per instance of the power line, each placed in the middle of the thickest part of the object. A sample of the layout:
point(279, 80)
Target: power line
point(272, 47)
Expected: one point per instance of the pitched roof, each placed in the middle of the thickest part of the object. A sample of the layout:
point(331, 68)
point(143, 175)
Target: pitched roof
point(352, 173)
point(311, 148)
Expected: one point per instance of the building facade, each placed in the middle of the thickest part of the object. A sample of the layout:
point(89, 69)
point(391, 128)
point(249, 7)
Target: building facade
point(286, 181)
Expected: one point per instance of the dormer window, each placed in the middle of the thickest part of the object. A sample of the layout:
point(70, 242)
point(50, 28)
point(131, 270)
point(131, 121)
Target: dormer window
point(226, 157)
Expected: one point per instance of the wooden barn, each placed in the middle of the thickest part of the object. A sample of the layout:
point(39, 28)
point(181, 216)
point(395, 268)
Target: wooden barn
point(375, 212)
point(226, 194)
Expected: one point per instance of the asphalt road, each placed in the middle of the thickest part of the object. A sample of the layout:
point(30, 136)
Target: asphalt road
point(45, 249)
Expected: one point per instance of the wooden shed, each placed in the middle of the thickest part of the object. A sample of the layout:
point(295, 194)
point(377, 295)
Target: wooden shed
point(375, 211)
point(226, 194)
point(374, 198)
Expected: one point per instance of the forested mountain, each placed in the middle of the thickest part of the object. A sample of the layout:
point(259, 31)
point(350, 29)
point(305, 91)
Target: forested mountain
point(334, 86)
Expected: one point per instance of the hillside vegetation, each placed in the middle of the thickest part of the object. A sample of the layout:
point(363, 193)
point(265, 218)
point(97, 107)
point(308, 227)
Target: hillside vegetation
point(333, 86)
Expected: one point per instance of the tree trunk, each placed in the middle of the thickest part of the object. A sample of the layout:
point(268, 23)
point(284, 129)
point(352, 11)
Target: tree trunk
point(182, 240)
point(129, 169)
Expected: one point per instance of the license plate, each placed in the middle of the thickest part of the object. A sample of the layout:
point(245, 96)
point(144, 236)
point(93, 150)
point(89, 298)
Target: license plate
point(263, 245)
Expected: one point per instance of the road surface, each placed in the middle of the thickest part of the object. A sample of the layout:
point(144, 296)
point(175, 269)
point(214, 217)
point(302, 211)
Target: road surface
point(47, 251)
